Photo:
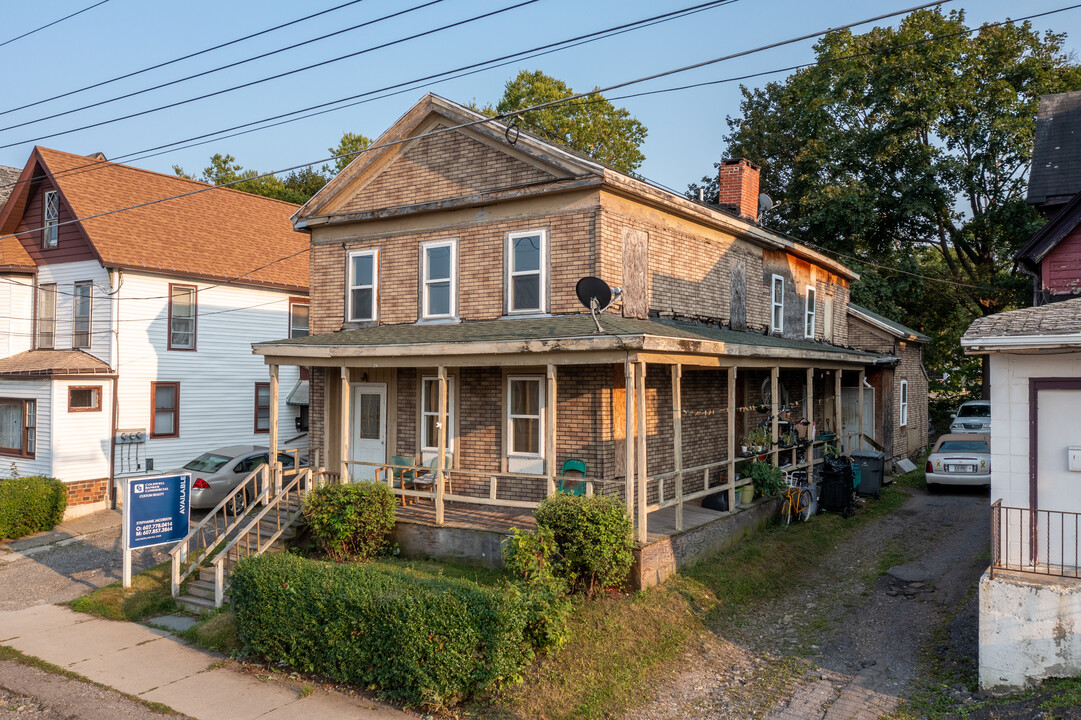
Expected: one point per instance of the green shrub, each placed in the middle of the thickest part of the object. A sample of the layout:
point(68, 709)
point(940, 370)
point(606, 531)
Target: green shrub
point(425, 641)
point(352, 520)
point(531, 556)
point(30, 504)
point(768, 479)
point(593, 535)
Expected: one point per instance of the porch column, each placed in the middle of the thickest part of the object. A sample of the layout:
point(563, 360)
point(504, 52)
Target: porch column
point(628, 445)
point(273, 439)
point(441, 473)
point(808, 415)
point(640, 411)
point(731, 457)
point(677, 438)
point(837, 405)
point(774, 411)
point(343, 425)
point(863, 375)
point(550, 430)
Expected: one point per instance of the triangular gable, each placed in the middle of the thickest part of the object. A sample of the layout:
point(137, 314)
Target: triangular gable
point(443, 160)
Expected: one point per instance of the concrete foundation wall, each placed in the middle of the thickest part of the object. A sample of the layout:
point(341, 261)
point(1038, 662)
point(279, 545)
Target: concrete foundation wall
point(1030, 629)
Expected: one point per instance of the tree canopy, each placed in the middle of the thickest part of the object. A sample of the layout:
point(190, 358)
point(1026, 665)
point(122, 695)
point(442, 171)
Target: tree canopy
point(590, 125)
point(907, 149)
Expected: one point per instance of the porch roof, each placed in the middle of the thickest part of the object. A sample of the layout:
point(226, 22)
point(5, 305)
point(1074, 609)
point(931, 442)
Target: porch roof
point(53, 362)
point(559, 334)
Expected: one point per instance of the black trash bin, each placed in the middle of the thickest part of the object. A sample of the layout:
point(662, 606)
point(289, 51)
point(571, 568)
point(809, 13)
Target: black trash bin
point(870, 463)
point(836, 491)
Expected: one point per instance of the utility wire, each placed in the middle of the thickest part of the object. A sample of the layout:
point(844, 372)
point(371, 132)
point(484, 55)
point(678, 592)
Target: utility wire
point(179, 59)
point(211, 71)
point(54, 22)
point(277, 76)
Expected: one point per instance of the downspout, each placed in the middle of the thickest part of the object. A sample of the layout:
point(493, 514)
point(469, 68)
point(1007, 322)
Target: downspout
point(116, 388)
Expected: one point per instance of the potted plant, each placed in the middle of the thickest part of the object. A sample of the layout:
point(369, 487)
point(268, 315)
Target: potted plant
point(790, 439)
point(758, 440)
point(767, 478)
point(746, 494)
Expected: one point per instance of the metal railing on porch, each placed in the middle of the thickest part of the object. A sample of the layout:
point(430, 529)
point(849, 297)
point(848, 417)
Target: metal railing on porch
point(1040, 542)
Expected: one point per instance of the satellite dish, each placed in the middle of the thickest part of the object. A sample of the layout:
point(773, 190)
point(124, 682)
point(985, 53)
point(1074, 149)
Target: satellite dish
point(764, 202)
point(595, 295)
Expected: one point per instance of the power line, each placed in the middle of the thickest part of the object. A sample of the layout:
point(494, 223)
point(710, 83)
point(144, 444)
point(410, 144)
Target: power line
point(179, 59)
point(222, 67)
point(277, 76)
point(54, 22)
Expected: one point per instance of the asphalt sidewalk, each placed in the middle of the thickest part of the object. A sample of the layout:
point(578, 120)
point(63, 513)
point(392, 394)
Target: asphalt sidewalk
point(155, 665)
point(63, 534)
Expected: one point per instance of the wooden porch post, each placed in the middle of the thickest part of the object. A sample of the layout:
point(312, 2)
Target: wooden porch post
point(640, 410)
point(837, 406)
point(343, 442)
point(808, 415)
point(440, 473)
point(774, 410)
point(863, 374)
point(628, 462)
point(550, 430)
point(731, 438)
point(677, 438)
point(273, 439)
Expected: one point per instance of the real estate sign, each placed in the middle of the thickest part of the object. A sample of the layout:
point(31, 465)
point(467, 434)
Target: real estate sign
point(156, 512)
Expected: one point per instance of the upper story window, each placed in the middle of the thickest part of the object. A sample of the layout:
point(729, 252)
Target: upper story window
point(363, 285)
point(51, 233)
point(182, 317)
point(262, 407)
point(527, 271)
point(439, 274)
point(298, 318)
point(82, 314)
point(903, 420)
point(827, 319)
point(165, 409)
point(47, 316)
point(776, 302)
point(809, 314)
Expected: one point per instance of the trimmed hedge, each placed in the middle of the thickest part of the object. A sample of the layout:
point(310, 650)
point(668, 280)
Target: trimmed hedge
point(593, 535)
point(425, 641)
point(351, 521)
point(31, 504)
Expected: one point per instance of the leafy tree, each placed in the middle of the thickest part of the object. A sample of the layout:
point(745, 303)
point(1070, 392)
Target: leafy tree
point(910, 144)
point(347, 148)
point(591, 124)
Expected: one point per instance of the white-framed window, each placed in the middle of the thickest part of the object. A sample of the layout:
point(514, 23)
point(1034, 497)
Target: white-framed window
point(298, 317)
point(439, 280)
point(527, 276)
point(182, 316)
point(776, 302)
point(363, 297)
point(47, 316)
point(809, 314)
point(51, 234)
point(82, 314)
point(903, 405)
point(429, 416)
point(525, 415)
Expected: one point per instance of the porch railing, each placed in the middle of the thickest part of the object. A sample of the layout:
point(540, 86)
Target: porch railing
point(1041, 542)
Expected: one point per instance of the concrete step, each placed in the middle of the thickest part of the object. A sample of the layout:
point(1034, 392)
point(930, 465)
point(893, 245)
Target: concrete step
point(195, 604)
point(204, 589)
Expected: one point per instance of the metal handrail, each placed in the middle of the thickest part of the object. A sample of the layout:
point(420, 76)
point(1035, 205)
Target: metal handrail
point(181, 552)
point(1038, 542)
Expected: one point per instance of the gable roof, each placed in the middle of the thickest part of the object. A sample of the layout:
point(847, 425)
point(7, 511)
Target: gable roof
point(1056, 155)
point(216, 234)
point(884, 323)
point(1053, 232)
point(557, 170)
point(13, 256)
point(1057, 324)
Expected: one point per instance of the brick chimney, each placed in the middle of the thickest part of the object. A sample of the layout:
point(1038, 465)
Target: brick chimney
point(739, 187)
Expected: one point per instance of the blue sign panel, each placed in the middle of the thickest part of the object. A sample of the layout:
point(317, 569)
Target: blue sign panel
point(157, 510)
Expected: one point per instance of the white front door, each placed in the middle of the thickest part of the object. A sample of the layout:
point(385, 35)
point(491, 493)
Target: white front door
point(367, 429)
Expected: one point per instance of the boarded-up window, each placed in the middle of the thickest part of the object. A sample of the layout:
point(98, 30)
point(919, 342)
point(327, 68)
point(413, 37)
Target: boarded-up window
point(635, 273)
point(738, 296)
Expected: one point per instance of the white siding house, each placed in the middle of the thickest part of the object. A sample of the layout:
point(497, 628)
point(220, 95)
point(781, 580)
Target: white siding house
point(140, 321)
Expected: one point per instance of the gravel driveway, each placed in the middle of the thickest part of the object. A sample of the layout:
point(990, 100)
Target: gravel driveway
point(847, 644)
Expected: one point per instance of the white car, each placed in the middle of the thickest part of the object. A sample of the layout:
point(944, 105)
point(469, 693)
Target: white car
point(973, 416)
point(960, 459)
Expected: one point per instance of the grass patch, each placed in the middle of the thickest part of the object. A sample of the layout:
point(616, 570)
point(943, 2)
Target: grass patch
point(216, 633)
point(150, 594)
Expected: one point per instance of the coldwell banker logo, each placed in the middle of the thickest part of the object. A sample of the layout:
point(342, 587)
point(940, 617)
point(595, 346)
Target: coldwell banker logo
point(138, 487)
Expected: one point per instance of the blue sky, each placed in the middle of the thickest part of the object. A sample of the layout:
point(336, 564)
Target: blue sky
point(685, 128)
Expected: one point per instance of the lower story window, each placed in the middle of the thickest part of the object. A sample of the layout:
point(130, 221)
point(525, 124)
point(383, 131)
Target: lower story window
point(18, 427)
point(84, 399)
point(429, 410)
point(165, 419)
point(524, 415)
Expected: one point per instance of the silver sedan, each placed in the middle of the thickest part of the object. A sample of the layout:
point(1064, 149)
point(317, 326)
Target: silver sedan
point(216, 473)
point(960, 459)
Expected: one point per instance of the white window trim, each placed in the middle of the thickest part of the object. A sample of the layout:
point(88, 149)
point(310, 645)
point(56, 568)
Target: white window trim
point(542, 407)
point(809, 312)
point(374, 254)
point(425, 281)
point(75, 315)
point(450, 413)
point(542, 293)
point(903, 404)
point(774, 303)
point(50, 223)
point(45, 291)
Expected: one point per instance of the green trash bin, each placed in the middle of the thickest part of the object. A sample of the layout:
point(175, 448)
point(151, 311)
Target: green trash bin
point(869, 464)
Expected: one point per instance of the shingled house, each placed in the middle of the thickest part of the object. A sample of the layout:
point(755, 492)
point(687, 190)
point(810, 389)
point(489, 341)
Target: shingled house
point(445, 324)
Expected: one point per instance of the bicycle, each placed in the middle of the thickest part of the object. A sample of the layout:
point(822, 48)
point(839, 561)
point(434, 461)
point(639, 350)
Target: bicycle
point(798, 497)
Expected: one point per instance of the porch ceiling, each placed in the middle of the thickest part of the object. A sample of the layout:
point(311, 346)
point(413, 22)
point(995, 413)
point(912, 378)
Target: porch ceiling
point(565, 339)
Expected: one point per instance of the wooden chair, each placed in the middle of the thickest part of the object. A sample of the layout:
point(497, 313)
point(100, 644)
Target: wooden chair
point(573, 468)
point(402, 471)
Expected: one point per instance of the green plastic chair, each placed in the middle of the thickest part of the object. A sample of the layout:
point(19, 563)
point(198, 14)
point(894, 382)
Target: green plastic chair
point(402, 472)
point(567, 483)
point(428, 478)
